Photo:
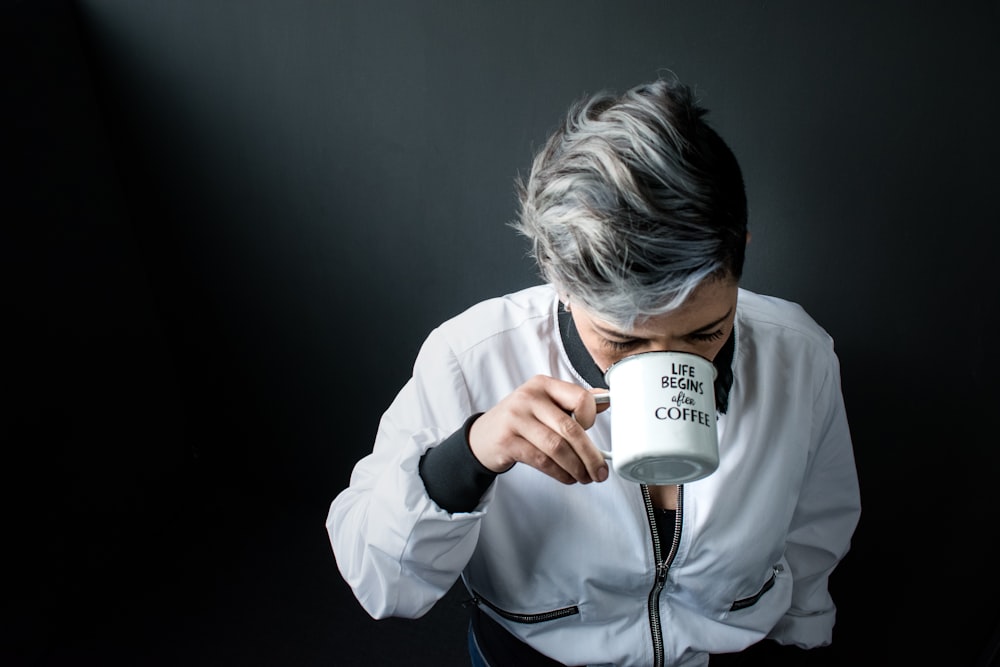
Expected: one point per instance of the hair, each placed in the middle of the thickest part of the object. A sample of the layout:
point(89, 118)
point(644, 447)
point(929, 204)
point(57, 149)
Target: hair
point(633, 202)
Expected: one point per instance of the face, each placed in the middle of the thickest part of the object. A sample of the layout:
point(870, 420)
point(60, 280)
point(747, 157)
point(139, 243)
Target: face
point(701, 325)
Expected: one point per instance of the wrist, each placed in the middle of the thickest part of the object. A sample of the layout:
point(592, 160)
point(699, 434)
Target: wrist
point(477, 440)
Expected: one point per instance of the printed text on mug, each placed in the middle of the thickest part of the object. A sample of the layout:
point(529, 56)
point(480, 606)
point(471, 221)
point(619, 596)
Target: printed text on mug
point(687, 414)
point(682, 377)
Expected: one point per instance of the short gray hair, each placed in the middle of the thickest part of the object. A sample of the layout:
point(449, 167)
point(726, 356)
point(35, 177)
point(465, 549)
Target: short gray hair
point(633, 202)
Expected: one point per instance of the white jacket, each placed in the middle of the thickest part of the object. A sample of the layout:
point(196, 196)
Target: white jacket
point(758, 538)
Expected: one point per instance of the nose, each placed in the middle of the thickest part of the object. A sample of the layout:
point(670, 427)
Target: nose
point(671, 346)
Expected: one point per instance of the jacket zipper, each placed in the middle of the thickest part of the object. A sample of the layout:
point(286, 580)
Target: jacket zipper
point(662, 567)
point(752, 600)
point(479, 600)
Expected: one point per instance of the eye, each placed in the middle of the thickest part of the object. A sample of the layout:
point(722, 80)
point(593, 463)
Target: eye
point(620, 345)
point(706, 337)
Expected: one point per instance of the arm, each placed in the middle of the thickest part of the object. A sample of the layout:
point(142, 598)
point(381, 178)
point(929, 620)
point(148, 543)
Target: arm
point(408, 522)
point(825, 517)
point(396, 548)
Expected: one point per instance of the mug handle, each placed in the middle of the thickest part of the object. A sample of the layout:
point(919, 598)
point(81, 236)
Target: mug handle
point(601, 399)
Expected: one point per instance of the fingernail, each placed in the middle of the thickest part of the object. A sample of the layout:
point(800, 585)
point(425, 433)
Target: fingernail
point(602, 473)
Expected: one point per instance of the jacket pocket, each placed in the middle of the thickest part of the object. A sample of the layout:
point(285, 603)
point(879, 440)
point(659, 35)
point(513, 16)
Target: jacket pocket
point(518, 617)
point(743, 603)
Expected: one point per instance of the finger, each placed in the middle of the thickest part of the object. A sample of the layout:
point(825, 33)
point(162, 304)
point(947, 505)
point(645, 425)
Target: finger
point(583, 409)
point(549, 432)
point(536, 417)
point(512, 432)
point(528, 454)
point(573, 399)
point(568, 444)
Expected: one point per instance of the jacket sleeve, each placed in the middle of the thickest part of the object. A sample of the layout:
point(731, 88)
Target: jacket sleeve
point(398, 551)
point(824, 520)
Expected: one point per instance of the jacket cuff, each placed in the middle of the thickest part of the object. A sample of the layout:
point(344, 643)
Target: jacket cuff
point(453, 476)
point(805, 631)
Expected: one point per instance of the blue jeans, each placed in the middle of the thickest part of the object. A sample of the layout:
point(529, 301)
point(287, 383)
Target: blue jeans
point(474, 653)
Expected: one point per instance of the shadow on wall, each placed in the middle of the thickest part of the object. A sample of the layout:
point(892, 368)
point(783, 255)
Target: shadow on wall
point(223, 221)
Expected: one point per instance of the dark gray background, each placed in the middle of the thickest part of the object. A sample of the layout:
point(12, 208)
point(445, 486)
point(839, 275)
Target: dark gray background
point(231, 224)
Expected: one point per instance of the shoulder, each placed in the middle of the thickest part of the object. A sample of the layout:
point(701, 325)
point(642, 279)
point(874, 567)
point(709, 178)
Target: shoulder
point(781, 348)
point(779, 321)
point(530, 311)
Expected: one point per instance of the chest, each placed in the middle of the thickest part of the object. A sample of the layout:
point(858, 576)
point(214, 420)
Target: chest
point(664, 497)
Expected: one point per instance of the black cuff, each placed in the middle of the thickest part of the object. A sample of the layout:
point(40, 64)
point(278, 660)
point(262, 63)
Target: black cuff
point(453, 476)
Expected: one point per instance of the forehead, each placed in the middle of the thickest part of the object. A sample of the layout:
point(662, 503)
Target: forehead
point(708, 303)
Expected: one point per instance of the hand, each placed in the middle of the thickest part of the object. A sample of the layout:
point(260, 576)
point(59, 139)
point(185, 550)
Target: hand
point(543, 424)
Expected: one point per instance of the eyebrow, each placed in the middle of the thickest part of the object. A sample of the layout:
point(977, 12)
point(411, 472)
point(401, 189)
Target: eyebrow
point(713, 324)
point(612, 333)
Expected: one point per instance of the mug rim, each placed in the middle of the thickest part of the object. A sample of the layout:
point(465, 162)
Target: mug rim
point(607, 373)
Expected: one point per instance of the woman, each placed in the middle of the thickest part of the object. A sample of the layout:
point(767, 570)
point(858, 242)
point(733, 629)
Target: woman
point(486, 464)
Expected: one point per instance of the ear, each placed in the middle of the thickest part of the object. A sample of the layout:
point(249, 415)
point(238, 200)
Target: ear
point(748, 237)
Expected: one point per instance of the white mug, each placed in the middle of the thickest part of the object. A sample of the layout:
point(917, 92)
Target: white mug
point(663, 419)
